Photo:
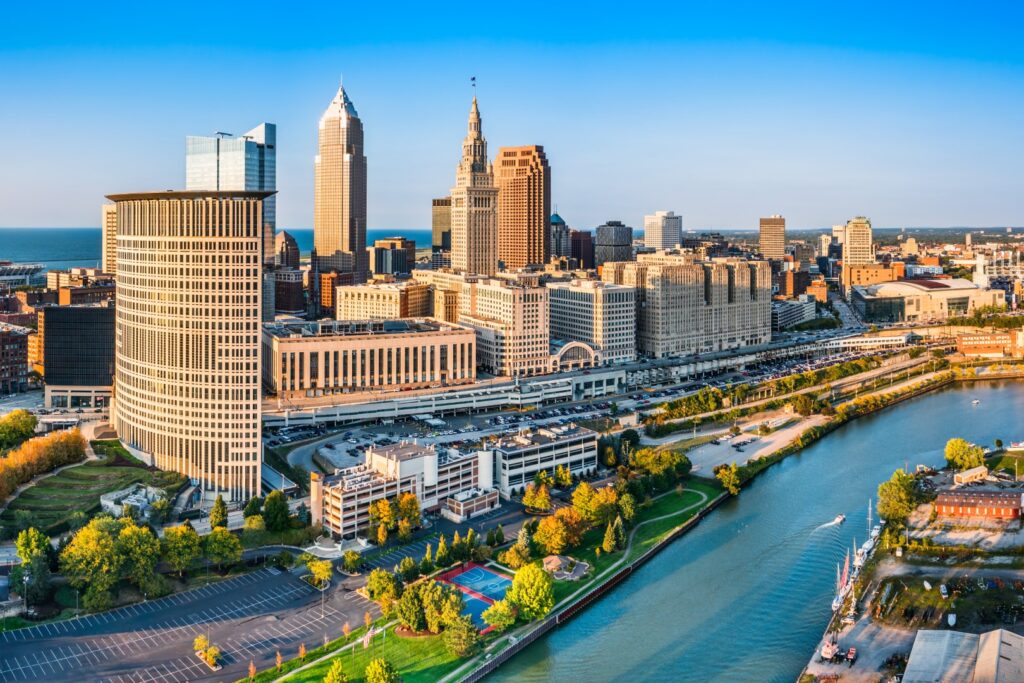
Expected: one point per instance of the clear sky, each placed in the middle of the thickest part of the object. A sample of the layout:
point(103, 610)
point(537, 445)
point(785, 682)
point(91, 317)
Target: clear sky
point(909, 113)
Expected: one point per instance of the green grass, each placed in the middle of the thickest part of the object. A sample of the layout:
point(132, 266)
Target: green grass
point(419, 660)
point(78, 489)
point(684, 445)
point(1006, 461)
point(296, 537)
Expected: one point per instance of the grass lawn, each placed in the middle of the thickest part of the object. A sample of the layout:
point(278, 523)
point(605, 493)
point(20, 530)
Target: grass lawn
point(683, 445)
point(1005, 461)
point(645, 537)
point(419, 660)
point(910, 605)
point(300, 537)
point(78, 489)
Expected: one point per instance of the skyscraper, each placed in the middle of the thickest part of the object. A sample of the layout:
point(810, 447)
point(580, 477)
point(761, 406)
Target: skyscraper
point(286, 250)
point(773, 237)
point(474, 205)
point(247, 162)
point(581, 248)
point(613, 242)
point(187, 357)
point(523, 178)
point(559, 236)
point(110, 238)
point(441, 223)
point(857, 248)
point(339, 212)
point(663, 230)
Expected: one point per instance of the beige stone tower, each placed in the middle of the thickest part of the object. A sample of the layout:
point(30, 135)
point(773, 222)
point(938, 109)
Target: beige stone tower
point(339, 213)
point(110, 238)
point(474, 205)
point(524, 206)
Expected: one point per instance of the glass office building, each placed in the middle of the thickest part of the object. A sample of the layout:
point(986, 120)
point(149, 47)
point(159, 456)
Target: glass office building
point(244, 163)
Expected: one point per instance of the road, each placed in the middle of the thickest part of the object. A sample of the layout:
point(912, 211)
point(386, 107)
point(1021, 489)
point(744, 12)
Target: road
point(250, 618)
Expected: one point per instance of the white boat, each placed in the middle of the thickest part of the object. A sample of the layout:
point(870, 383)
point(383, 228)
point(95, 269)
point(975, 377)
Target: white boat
point(951, 620)
point(875, 531)
point(840, 518)
point(975, 402)
point(927, 586)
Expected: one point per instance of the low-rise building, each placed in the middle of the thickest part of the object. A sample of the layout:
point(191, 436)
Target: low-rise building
point(518, 458)
point(76, 347)
point(382, 301)
point(985, 504)
point(922, 300)
point(872, 274)
point(953, 656)
point(341, 501)
point(307, 359)
point(790, 312)
point(991, 344)
point(818, 290)
point(13, 358)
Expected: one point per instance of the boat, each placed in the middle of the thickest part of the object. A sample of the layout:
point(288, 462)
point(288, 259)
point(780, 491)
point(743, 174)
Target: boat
point(1016, 446)
point(951, 620)
point(840, 518)
point(829, 649)
point(927, 586)
point(975, 402)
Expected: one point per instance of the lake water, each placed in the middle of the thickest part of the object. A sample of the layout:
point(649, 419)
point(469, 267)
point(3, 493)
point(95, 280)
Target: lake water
point(746, 595)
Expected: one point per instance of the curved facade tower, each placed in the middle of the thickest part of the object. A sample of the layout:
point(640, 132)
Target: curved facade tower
point(187, 363)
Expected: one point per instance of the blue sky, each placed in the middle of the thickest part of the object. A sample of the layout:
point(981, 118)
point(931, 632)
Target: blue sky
point(722, 112)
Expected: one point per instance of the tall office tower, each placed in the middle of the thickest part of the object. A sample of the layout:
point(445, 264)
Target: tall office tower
point(392, 256)
point(286, 250)
point(773, 237)
point(824, 242)
point(339, 211)
point(187, 356)
point(687, 305)
point(441, 223)
point(581, 248)
point(523, 178)
point(614, 242)
point(247, 162)
point(663, 230)
point(110, 238)
point(598, 313)
point(559, 236)
point(857, 245)
point(838, 233)
point(474, 205)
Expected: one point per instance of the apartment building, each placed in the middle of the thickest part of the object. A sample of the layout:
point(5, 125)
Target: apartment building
point(599, 313)
point(510, 316)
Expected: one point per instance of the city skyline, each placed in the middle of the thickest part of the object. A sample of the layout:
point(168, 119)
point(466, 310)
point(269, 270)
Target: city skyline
point(859, 116)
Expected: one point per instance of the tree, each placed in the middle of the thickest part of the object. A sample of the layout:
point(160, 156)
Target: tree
point(604, 506)
point(515, 557)
point(500, 615)
point(33, 549)
point(897, 497)
point(409, 569)
point(619, 531)
point(563, 477)
point(499, 535)
point(629, 438)
point(461, 637)
point(321, 571)
point(608, 542)
point(443, 557)
point(139, 551)
point(222, 547)
point(531, 592)
point(15, 427)
point(181, 546)
point(409, 611)
point(278, 660)
point(582, 500)
point(962, 455)
point(382, 535)
point(90, 562)
point(608, 457)
point(551, 535)
point(252, 670)
point(275, 512)
point(302, 651)
point(219, 513)
point(804, 405)
point(729, 475)
point(255, 523)
point(159, 510)
point(253, 507)
point(351, 561)
point(427, 563)
point(383, 587)
point(627, 507)
point(383, 513)
point(409, 509)
point(404, 530)
point(537, 498)
point(381, 671)
point(574, 523)
point(335, 673)
point(200, 643)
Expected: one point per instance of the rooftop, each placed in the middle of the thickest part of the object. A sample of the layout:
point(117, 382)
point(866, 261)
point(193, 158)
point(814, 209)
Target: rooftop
point(192, 194)
point(354, 328)
point(541, 436)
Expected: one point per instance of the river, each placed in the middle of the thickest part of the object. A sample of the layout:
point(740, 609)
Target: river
point(746, 595)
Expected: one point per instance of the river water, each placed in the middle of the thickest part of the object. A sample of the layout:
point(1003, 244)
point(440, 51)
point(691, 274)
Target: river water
point(746, 595)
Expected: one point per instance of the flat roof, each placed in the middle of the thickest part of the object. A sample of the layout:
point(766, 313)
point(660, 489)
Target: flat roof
point(353, 328)
point(541, 436)
point(192, 194)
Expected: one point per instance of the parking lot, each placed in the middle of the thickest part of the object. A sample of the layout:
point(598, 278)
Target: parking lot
point(249, 617)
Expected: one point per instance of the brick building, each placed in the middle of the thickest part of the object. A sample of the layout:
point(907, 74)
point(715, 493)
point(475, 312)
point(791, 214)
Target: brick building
point(987, 504)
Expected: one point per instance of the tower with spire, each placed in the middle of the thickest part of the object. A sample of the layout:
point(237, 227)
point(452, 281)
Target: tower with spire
point(339, 213)
point(474, 204)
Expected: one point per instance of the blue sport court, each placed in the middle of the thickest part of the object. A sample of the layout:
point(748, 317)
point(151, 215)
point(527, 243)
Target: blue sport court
point(481, 580)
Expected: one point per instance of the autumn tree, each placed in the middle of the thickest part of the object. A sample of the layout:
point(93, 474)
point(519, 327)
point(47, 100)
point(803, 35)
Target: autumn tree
point(962, 455)
point(551, 535)
point(729, 476)
point(532, 592)
point(181, 547)
point(381, 671)
point(219, 513)
point(500, 616)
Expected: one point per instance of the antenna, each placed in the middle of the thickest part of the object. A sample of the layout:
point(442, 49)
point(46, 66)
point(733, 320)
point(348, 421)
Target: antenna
point(472, 81)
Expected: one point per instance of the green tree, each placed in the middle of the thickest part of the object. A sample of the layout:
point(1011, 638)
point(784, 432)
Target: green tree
point(583, 501)
point(222, 547)
point(381, 671)
point(15, 427)
point(427, 563)
point(608, 543)
point(897, 497)
point(729, 475)
point(500, 615)
point(253, 507)
point(275, 512)
point(219, 513)
point(255, 523)
point(619, 531)
point(443, 557)
point(461, 637)
point(351, 561)
point(499, 535)
point(409, 611)
point(139, 551)
point(962, 455)
point(537, 498)
point(532, 592)
point(335, 673)
point(383, 586)
point(320, 570)
point(90, 563)
point(409, 569)
point(33, 548)
point(181, 546)
point(627, 507)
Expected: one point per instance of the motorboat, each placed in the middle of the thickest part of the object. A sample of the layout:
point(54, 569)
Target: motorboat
point(975, 402)
point(840, 518)
point(951, 620)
